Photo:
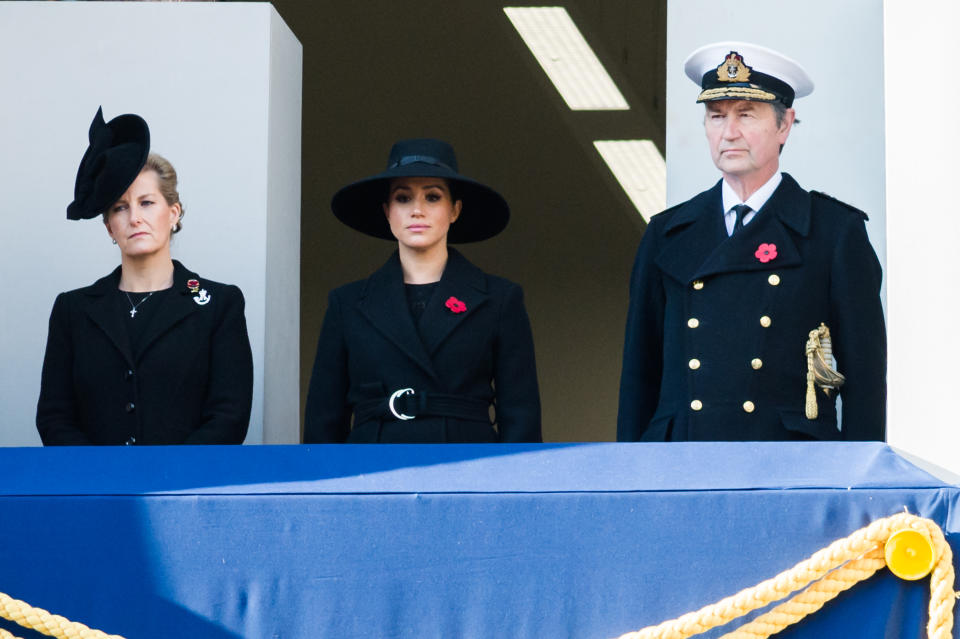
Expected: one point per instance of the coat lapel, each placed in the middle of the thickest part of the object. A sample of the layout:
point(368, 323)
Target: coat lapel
point(461, 281)
point(692, 235)
point(101, 309)
point(179, 304)
point(384, 304)
point(691, 254)
point(787, 211)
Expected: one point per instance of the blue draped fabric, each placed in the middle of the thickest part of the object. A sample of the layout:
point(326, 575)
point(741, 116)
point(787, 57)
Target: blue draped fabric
point(564, 540)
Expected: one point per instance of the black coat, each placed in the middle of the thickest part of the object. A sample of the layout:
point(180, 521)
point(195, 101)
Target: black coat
point(696, 294)
point(191, 384)
point(369, 347)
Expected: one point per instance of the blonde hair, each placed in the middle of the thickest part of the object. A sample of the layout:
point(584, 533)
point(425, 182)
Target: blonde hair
point(166, 182)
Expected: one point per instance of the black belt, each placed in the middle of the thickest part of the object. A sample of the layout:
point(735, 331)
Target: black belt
point(406, 403)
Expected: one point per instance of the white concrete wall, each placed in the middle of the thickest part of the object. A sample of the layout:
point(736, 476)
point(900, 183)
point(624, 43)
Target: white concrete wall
point(219, 85)
point(923, 228)
point(281, 408)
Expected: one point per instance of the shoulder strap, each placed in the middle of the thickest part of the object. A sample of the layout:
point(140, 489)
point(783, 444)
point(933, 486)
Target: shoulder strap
point(820, 195)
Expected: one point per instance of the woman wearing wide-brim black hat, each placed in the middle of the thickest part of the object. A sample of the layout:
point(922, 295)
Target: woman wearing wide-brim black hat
point(151, 353)
point(429, 348)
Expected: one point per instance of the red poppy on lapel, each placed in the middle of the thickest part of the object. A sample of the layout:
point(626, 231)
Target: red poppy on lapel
point(766, 252)
point(193, 285)
point(455, 305)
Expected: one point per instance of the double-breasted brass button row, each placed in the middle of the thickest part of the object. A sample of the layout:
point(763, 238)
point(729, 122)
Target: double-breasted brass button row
point(765, 321)
point(693, 322)
point(774, 279)
point(756, 363)
point(697, 285)
point(748, 406)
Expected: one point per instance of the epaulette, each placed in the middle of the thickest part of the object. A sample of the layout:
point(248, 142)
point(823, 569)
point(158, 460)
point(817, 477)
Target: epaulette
point(834, 200)
point(668, 210)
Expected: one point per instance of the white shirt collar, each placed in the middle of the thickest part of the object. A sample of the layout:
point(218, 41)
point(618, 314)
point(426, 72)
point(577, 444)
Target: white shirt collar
point(755, 201)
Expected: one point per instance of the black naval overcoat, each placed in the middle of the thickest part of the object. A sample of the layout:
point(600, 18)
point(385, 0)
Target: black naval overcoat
point(369, 348)
point(192, 382)
point(715, 339)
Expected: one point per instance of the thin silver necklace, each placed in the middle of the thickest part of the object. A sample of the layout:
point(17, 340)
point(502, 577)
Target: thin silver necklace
point(133, 307)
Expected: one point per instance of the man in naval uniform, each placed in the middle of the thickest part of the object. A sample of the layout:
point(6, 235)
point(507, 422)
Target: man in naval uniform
point(738, 294)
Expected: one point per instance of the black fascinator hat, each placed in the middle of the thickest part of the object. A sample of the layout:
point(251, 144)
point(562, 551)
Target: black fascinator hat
point(360, 205)
point(118, 151)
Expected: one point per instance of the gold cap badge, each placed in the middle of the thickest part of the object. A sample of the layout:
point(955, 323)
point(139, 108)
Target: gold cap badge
point(733, 69)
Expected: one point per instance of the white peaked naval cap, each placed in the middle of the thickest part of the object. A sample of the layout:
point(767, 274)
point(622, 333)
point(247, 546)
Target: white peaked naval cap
point(744, 71)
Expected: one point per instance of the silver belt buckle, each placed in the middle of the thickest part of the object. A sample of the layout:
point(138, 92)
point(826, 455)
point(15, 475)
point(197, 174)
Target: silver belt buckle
point(393, 398)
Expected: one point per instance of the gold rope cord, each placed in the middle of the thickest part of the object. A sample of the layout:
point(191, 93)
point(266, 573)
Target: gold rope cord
point(43, 622)
point(823, 576)
point(821, 368)
point(828, 572)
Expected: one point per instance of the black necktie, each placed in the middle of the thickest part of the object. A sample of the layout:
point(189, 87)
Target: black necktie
point(741, 210)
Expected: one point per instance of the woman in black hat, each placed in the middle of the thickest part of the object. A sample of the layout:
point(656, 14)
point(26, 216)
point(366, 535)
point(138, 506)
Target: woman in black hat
point(151, 353)
point(422, 349)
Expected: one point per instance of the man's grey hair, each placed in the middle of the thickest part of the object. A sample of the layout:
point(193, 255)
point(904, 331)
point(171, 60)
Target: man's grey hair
point(780, 110)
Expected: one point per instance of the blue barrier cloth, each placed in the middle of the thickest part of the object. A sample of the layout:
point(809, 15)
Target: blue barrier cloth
point(561, 540)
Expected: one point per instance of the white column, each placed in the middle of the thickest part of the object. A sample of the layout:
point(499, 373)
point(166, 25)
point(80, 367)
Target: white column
point(922, 95)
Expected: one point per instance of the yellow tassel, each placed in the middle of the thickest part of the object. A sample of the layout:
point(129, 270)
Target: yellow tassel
point(821, 368)
point(811, 393)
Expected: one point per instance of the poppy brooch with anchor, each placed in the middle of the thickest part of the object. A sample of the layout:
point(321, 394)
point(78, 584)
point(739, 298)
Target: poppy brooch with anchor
point(202, 298)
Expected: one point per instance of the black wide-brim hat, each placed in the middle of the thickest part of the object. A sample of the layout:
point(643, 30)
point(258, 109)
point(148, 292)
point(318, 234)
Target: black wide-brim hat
point(117, 152)
point(483, 213)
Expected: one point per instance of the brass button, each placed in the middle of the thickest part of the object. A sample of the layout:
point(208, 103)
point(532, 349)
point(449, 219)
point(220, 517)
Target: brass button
point(696, 404)
point(756, 363)
point(697, 284)
point(748, 406)
point(765, 321)
point(774, 280)
point(693, 322)
point(694, 364)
